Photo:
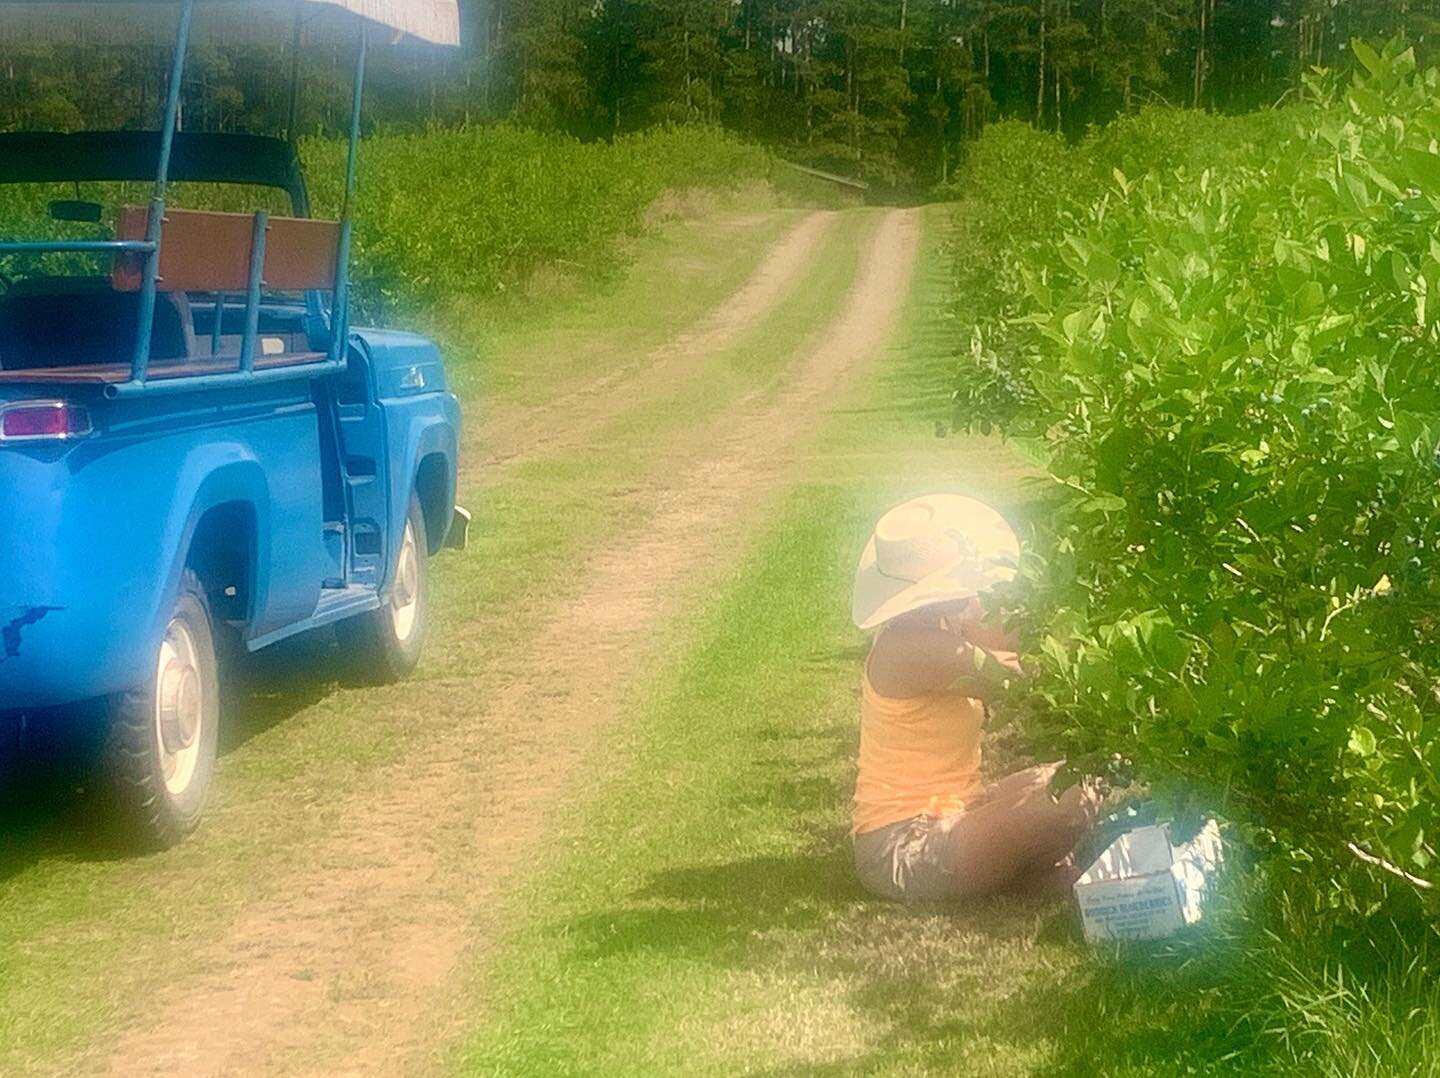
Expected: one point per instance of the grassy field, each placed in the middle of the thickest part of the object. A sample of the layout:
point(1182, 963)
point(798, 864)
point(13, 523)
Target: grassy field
point(692, 910)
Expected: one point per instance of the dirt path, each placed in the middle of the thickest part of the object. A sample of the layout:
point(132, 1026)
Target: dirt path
point(567, 419)
point(351, 973)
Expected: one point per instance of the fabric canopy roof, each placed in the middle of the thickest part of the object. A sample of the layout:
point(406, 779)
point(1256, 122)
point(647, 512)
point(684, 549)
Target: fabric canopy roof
point(127, 21)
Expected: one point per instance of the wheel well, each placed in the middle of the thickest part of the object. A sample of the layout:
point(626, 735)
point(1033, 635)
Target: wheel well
point(222, 556)
point(431, 486)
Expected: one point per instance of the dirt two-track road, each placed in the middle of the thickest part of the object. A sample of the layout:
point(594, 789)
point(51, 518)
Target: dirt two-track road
point(354, 956)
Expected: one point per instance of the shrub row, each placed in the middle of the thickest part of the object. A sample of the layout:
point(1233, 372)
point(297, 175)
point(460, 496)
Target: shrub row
point(474, 211)
point(1220, 336)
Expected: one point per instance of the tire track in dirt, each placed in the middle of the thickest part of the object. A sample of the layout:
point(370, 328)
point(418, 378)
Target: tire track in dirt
point(355, 970)
point(568, 419)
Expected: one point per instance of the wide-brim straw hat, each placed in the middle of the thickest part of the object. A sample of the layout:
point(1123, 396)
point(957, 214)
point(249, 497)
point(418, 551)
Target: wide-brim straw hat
point(934, 549)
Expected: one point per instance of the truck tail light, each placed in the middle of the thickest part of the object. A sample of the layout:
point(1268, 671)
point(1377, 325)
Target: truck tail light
point(43, 421)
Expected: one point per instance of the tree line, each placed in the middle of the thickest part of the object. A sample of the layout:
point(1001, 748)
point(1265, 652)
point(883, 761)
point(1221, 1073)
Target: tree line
point(886, 90)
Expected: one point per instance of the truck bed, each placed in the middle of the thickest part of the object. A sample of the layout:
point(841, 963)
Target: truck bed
point(160, 370)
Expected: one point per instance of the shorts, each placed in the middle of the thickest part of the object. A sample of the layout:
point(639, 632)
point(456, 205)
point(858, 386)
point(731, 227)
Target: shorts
point(913, 859)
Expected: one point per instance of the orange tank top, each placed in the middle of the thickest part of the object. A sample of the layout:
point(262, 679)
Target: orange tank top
point(916, 756)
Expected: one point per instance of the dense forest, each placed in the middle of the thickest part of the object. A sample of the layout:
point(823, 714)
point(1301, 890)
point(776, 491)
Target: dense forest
point(887, 90)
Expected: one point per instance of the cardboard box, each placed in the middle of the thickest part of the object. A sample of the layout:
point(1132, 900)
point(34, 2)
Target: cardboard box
point(1144, 888)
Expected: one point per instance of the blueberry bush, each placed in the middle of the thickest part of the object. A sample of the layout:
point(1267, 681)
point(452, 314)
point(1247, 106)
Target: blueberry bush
point(474, 211)
point(1221, 336)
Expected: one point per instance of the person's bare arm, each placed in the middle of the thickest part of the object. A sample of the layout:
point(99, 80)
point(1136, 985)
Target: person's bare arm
point(912, 660)
point(988, 629)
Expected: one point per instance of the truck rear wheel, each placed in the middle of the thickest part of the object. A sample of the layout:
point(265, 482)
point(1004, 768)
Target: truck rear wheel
point(160, 755)
point(385, 644)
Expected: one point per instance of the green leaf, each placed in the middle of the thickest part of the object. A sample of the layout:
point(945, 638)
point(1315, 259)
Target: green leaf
point(1366, 102)
point(1368, 57)
point(1056, 652)
point(1102, 267)
point(1165, 644)
point(1077, 322)
point(1401, 270)
point(1310, 299)
point(1424, 169)
point(1333, 329)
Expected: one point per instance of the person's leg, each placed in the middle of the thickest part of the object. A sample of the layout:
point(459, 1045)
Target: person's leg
point(1055, 881)
point(1018, 830)
point(1021, 783)
point(878, 862)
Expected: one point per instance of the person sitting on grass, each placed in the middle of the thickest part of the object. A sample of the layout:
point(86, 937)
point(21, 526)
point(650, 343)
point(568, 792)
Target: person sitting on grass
point(926, 826)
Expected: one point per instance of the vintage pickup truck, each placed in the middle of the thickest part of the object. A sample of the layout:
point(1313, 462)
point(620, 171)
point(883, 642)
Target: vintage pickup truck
point(198, 454)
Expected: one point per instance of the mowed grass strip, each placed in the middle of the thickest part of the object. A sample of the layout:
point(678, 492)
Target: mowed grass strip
point(84, 933)
point(756, 365)
point(530, 349)
point(702, 917)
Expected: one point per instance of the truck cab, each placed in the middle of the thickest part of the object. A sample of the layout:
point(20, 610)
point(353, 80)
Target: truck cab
point(199, 456)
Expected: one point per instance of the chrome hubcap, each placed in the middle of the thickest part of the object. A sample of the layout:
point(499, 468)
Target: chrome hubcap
point(405, 595)
point(179, 706)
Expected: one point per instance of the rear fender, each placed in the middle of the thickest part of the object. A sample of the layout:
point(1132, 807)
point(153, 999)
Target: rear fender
point(90, 584)
point(212, 476)
point(235, 483)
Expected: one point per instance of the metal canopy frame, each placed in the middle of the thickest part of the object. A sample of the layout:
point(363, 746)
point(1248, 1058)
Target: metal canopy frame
point(436, 17)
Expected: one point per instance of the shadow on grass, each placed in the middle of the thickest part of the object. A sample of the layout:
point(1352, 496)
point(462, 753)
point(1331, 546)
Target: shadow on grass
point(802, 919)
point(1146, 1013)
point(791, 917)
point(1138, 1022)
point(713, 912)
point(928, 981)
point(51, 805)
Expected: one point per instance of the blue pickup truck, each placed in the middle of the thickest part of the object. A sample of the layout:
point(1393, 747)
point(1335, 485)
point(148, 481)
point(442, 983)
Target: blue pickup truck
point(199, 456)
